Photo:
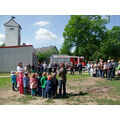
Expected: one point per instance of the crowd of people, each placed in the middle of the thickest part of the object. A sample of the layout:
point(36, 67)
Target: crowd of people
point(42, 83)
point(103, 69)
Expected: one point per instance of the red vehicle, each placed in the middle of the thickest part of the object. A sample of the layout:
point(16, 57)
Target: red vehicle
point(67, 59)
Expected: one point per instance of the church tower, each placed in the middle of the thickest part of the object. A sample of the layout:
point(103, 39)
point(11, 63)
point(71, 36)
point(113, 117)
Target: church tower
point(12, 33)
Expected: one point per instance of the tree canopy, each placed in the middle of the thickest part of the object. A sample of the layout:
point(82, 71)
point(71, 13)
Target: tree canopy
point(90, 37)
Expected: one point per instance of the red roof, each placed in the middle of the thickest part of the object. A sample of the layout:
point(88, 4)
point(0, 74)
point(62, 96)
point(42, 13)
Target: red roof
point(17, 46)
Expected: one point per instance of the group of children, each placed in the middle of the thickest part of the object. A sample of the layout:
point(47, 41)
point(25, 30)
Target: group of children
point(41, 85)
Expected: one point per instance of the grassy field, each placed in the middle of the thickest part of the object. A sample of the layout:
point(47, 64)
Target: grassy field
point(81, 90)
point(4, 74)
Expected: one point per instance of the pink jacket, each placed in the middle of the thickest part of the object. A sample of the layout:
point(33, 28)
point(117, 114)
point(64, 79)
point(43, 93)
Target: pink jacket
point(33, 83)
point(20, 78)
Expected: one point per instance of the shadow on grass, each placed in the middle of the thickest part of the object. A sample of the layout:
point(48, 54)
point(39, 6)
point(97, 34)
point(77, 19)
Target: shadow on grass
point(68, 95)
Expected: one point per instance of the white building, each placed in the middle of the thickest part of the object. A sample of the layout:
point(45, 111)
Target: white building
point(14, 52)
point(12, 33)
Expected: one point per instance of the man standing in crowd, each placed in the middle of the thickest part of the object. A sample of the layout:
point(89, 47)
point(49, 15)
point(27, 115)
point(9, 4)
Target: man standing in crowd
point(113, 69)
point(80, 69)
point(62, 80)
point(72, 68)
point(109, 70)
point(44, 67)
point(88, 67)
point(54, 67)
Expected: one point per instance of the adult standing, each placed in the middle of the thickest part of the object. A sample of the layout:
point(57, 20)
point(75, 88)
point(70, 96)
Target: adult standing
point(40, 68)
point(20, 67)
point(109, 70)
point(96, 69)
point(113, 69)
point(62, 79)
point(72, 68)
point(88, 67)
point(80, 68)
point(44, 67)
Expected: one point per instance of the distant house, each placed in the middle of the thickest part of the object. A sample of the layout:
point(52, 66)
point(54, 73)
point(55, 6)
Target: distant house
point(47, 49)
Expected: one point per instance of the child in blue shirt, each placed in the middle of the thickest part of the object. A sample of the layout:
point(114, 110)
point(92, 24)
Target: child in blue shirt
point(13, 80)
point(26, 83)
point(49, 87)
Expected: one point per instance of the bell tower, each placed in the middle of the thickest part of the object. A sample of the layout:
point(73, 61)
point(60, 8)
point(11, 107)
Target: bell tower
point(12, 33)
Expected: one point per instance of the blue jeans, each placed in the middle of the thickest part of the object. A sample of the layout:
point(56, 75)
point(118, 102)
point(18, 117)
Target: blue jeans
point(48, 94)
point(62, 84)
point(44, 94)
point(33, 92)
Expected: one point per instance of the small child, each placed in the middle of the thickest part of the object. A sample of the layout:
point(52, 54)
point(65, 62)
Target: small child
point(20, 79)
point(13, 80)
point(49, 87)
point(43, 84)
point(33, 84)
point(55, 84)
point(39, 90)
point(26, 81)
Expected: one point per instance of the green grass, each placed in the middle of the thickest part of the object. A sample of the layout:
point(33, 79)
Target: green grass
point(26, 99)
point(108, 102)
point(4, 74)
point(5, 82)
point(50, 101)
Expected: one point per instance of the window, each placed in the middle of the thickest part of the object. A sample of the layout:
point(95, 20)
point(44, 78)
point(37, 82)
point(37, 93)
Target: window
point(11, 28)
point(75, 59)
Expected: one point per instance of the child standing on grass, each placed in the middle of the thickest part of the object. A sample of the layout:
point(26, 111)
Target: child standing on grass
point(55, 84)
point(43, 84)
point(26, 81)
point(13, 80)
point(49, 87)
point(21, 82)
point(39, 90)
point(33, 84)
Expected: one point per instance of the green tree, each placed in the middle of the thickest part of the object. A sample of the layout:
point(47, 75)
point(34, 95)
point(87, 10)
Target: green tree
point(3, 45)
point(85, 33)
point(44, 56)
point(110, 48)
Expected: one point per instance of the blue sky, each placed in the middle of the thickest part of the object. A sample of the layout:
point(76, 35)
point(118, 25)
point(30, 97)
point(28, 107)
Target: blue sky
point(43, 30)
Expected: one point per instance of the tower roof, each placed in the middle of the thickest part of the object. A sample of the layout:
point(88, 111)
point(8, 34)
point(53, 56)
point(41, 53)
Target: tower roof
point(12, 23)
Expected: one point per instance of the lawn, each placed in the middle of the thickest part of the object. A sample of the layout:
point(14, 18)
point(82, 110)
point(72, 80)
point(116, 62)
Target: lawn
point(4, 74)
point(81, 90)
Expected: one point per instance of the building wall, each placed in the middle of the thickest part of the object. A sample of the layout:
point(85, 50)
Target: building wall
point(12, 36)
point(10, 57)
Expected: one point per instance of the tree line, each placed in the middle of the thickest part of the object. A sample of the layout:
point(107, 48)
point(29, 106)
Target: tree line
point(90, 37)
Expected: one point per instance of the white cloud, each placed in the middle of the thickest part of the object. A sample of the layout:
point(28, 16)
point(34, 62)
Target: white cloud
point(44, 34)
point(2, 39)
point(42, 23)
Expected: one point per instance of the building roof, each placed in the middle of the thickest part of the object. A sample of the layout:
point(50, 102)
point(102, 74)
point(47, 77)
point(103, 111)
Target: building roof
point(45, 49)
point(14, 24)
point(17, 46)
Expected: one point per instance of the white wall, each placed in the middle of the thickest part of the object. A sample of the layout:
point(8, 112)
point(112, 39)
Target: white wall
point(11, 36)
point(10, 57)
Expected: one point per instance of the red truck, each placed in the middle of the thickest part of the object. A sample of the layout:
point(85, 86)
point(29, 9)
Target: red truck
point(67, 59)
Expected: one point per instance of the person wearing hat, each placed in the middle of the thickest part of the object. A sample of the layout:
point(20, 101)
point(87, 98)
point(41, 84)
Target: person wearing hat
point(62, 79)
point(13, 80)
point(26, 81)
